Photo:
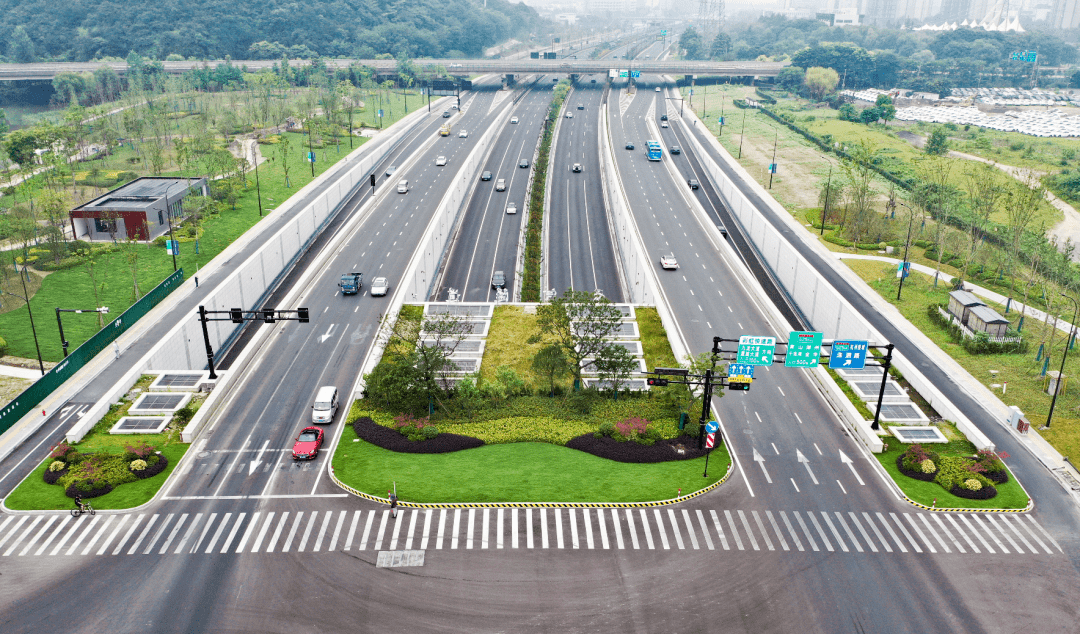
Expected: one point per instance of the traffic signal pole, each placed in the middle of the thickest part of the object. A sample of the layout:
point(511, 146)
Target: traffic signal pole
point(239, 316)
point(707, 396)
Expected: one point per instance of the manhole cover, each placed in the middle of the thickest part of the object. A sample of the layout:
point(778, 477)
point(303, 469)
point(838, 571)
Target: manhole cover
point(203, 454)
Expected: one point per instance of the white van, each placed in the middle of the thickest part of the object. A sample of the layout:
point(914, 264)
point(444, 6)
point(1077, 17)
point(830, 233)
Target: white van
point(403, 186)
point(325, 406)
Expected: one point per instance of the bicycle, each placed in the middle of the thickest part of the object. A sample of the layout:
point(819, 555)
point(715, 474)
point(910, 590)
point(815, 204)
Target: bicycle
point(83, 507)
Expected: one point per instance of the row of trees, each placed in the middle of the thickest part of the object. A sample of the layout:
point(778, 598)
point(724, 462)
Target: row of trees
point(69, 30)
point(881, 57)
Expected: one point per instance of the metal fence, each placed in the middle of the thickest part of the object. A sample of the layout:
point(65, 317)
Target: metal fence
point(79, 357)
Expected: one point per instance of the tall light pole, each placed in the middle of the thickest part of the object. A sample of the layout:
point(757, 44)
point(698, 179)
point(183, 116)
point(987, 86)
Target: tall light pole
point(26, 298)
point(907, 245)
point(742, 135)
point(168, 216)
point(255, 160)
point(828, 190)
point(772, 168)
point(104, 310)
point(1064, 354)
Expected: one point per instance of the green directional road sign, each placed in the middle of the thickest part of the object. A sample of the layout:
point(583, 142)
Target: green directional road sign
point(756, 350)
point(623, 73)
point(663, 32)
point(803, 349)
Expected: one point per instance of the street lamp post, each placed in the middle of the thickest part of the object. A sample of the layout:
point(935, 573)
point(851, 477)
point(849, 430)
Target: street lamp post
point(907, 245)
point(26, 298)
point(168, 216)
point(63, 342)
point(255, 160)
point(1064, 354)
point(742, 135)
point(828, 190)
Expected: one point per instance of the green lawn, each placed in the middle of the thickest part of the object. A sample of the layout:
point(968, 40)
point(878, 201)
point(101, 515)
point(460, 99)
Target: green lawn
point(1010, 495)
point(518, 472)
point(34, 495)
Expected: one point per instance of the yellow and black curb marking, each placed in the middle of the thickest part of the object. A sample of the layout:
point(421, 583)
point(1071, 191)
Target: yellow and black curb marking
point(938, 509)
point(536, 505)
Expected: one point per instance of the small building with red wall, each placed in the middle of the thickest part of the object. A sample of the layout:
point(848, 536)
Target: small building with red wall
point(139, 210)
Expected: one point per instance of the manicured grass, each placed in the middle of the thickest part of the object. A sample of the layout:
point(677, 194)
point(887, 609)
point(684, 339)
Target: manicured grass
point(507, 345)
point(34, 495)
point(1010, 495)
point(518, 472)
point(654, 339)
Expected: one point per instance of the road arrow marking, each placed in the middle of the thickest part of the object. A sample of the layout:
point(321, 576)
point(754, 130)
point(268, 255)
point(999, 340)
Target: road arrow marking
point(844, 459)
point(258, 458)
point(761, 462)
point(806, 463)
point(323, 338)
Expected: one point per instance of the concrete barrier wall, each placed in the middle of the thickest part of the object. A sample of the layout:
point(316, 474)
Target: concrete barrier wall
point(821, 304)
point(183, 348)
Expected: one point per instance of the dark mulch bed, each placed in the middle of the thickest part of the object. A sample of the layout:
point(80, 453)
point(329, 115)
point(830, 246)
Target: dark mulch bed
point(997, 477)
point(374, 433)
point(918, 475)
point(51, 477)
point(629, 451)
point(73, 491)
point(152, 470)
point(984, 493)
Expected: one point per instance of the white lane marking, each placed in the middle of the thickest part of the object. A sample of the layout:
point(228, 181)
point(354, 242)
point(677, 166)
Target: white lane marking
point(329, 515)
point(277, 531)
point(632, 529)
point(761, 527)
point(821, 533)
point(806, 463)
point(382, 530)
point(795, 485)
point(835, 533)
point(758, 417)
point(844, 459)
point(471, 526)
point(797, 418)
point(842, 487)
point(746, 527)
point(647, 529)
point(776, 528)
point(1044, 532)
point(307, 532)
point(978, 535)
point(427, 529)
point(660, 529)
point(498, 529)
point(758, 458)
point(774, 448)
point(573, 529)
point(258, 458)
point(704, 529)
point(719, 530)
point(791, 531)
point(961, 532)
point(818, 450)
point(529, 543)
point(441, 534)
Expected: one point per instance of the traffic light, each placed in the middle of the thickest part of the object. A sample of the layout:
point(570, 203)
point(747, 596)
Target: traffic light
point(268, 315)
point(237, 315)
point(738, 386)
point(302, 314)
point(373, 181)
point(657, 382)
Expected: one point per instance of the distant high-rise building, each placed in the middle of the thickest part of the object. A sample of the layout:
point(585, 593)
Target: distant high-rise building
point(956, 10)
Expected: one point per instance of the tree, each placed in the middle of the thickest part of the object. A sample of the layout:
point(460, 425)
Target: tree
point(937, 144)
point(860, 177)
point(721, 45)
point(938, 197)
point(847, 112)
point(885, 105)
point(581, 324)
point(690, 42)
point(1074, 80)
point(551, 364)
point(21, 145)
point(614, 365)
point(791, 78)
point(1021, 204)
point(820, 81)
point(832, 190)
point(870, 115)
point(20, 47)
point(984, 194)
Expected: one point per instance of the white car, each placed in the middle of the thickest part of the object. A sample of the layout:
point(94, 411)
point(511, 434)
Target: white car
point(464, 134)
point(569, 115)
point(577, 167)
point(403, 186)
point(513, 119)
point(658, 89)
point(669, 262)
point(511, 208)
point(379, 286)
point(440, 161)
point(663, 124)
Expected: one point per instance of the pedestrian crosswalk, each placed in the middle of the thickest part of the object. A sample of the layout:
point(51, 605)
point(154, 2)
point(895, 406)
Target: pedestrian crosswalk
point(660, 529)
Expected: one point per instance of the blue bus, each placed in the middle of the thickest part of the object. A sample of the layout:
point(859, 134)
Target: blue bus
point(652, 148)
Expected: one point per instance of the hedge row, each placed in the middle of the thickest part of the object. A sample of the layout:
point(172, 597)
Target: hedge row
point(387, 438)
point(628, 451)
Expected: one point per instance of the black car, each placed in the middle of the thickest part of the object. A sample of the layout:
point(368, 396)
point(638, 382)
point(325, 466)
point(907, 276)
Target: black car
point(486, 176)
point(693, 184)
point(675, 149)
point(592, 81)
point(446, 114)
point(498, 279)
point(663, 117)
point(523, 163)
point(629, 146)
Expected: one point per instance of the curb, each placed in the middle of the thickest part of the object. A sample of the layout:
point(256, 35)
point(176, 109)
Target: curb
point(535, 505)
point(1031, 505)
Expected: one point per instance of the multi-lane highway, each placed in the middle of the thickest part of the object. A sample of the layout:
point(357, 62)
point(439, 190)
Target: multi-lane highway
point(805, 535)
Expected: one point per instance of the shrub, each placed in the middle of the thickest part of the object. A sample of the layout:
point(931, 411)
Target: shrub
point(155, 464)
point(916, 456)
point(57, 466)
point(138, 451)
point(184, 415)
point(927, 466)
point(429, 432)
point(606, 429)
point(61, 451)
point(138, 465)
point(953, 472)
point(971, 484)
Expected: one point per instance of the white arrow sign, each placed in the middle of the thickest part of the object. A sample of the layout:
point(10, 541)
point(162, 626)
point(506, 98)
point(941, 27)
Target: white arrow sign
point(844, 459)
point(258, 458)
point(323, 338)
point(806, 463)
point(761, 462)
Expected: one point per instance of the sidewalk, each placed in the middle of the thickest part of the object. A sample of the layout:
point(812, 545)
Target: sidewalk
point(20, 373)
point(997, 298)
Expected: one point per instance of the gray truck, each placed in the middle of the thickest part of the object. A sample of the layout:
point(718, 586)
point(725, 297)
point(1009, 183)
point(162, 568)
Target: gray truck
point(351, 283)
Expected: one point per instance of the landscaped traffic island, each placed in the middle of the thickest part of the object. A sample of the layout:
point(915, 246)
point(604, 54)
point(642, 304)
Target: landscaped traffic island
point(459, 468)
point(948, 478)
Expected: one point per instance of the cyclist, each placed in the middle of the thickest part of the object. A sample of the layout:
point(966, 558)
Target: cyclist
point(79, 503)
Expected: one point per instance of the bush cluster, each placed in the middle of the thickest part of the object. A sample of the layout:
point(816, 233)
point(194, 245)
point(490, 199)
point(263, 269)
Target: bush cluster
point(415, 429)
point(664, 450)
point(635, 428)
point(93, 474)
point(370, 431)
point(919, 463)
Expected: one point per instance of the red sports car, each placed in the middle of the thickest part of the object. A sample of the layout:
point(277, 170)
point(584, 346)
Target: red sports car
point(307, 443)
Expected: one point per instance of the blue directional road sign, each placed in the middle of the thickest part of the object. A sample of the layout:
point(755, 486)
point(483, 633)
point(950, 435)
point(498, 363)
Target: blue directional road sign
point(803, 349)
point(712, 427)
point(635, 74)
point(172, 247)
point(756, 350)
point(848, 355)
point(740, 373)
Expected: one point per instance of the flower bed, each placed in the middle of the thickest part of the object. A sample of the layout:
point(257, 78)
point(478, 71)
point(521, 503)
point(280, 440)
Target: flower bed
point(90, 475)
point(387, 438)
point(918, 475)
point(968, 477)
point(627, 451)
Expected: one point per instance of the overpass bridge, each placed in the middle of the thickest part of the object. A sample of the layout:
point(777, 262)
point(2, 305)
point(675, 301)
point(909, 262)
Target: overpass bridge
point(461, 67)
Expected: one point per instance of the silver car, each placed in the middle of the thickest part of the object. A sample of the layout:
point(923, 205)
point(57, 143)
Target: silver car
point(379, 287)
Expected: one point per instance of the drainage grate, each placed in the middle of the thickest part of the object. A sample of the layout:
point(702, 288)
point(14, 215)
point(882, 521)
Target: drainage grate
point(159, 402)
point(918, 434)
point(178, 380)
point(399, 558)
point(140, 425)
point(900, 411)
